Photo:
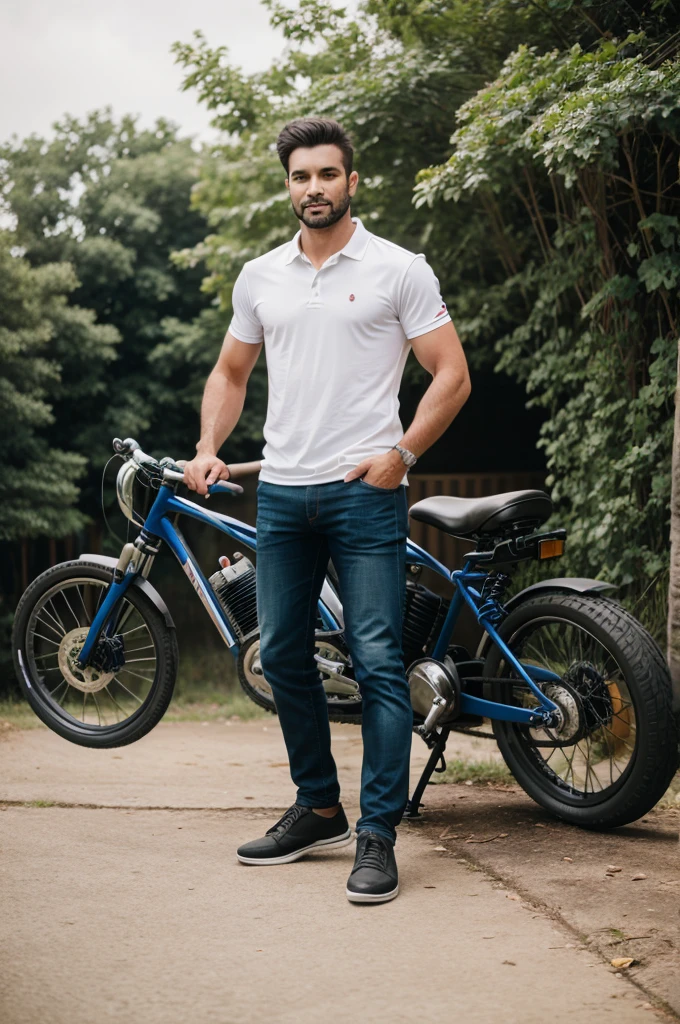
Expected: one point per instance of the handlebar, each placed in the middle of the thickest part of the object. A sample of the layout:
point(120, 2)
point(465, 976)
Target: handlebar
point(172, 470)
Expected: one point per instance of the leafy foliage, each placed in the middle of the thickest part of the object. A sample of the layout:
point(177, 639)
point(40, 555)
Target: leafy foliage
point(113, 201)
point(574, 156)
point(38, 486)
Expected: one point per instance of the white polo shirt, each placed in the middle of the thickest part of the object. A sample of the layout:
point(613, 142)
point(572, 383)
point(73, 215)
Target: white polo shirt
point(336, 341)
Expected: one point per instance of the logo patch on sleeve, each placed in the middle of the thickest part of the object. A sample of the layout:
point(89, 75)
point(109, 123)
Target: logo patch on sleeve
point(441, 311)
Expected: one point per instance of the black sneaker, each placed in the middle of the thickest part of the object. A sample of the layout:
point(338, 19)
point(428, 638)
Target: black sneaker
point(298, 832)
point(374, 877)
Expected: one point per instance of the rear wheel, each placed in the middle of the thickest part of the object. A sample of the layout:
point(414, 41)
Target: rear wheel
point(107, 706)
point(615, 750)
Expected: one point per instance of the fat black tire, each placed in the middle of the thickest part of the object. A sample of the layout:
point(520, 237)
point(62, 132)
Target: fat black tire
point(655, 760)
point(160, 694)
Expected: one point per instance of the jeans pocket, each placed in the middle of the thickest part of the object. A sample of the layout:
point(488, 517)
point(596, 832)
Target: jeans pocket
point(385, 490)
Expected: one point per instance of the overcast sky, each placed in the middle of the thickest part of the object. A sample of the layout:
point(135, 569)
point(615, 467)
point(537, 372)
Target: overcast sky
point(72, 56)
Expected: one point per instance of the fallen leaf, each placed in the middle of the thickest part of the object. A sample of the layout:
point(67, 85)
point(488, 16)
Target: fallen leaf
point(622, 961)
point(511, 962)
point(429, 887)
point(570, 859)
point(501, 835)
point(638, 877)
point(468, 782)
point(511, 896)
point(441, 849)
point(537, 824)
point(612, 869)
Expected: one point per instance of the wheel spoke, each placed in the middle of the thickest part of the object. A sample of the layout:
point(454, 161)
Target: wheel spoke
point(113, 699)
point(134, 695)
point(47, 639)
point(88, 621)
point(127, 633)
point(147, 679)
point(60, 632)
point(68, 604)
point(96, 704)
point(594, 688)
point(51, 601)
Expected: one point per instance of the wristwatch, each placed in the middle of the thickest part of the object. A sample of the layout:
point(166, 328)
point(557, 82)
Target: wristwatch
point(407, 457)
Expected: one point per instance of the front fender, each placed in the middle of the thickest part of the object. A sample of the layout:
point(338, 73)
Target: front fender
point(140, 582)
point(563, 584)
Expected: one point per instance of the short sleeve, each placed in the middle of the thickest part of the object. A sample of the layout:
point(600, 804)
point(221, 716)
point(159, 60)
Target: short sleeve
point(244, 324)
point(421, 307)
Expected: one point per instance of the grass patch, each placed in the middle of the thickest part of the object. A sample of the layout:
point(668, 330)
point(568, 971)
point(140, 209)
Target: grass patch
point(208, 688)
point(477, 772)
point(213, 705)
point(17, 714)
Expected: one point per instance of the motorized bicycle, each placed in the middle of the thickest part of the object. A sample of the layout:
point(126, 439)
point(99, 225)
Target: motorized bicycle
point(577, 692)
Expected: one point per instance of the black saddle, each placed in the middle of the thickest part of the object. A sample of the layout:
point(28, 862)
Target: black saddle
point(494, 515)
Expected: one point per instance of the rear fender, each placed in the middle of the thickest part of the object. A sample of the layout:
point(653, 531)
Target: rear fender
point(564, 585)
point(142, 584)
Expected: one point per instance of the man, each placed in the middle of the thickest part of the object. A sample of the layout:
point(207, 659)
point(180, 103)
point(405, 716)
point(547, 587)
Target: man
point(338, 309)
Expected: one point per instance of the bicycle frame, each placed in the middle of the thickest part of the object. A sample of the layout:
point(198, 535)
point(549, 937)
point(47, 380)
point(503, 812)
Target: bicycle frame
point(159, 527)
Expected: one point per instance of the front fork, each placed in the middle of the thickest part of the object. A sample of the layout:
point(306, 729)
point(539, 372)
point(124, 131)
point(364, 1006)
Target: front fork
point(135, 560)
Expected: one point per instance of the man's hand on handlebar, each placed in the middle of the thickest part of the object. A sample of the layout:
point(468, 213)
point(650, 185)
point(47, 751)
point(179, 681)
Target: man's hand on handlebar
point(204, 470)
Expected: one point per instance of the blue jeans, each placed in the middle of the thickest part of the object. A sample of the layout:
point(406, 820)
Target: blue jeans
point(363, 528)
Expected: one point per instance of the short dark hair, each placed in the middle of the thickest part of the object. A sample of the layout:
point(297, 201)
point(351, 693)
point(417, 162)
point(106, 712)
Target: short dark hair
point(314, 131)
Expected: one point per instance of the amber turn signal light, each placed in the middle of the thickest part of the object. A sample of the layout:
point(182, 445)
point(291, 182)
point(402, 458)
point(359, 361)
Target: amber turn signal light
point(550, 548)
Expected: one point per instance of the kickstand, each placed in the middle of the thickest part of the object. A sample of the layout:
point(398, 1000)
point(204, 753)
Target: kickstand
point(413, 805)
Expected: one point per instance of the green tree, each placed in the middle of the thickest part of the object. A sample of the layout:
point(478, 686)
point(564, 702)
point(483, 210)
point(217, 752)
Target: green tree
point(38, 482)
point(113, 201)
point(581, 147)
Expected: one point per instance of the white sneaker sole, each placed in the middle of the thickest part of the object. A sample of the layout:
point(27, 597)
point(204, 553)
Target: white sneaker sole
point(344, 840)
point(366, 897)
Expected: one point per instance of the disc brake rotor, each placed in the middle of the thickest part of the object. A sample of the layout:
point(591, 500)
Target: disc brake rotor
point(88, 679)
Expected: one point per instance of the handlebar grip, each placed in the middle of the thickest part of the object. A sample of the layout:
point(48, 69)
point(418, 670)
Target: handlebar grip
point(224, 485)
point(125, 447)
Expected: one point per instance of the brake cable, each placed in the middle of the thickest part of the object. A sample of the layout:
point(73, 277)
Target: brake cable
point(106, 522)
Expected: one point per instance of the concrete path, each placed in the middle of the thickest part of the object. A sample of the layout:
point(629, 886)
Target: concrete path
point(133, 907)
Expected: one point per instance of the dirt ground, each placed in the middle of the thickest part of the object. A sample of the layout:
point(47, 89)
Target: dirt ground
point(122, 899)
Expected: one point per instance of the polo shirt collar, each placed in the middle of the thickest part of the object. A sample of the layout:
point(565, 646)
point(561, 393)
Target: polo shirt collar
point(355, 248)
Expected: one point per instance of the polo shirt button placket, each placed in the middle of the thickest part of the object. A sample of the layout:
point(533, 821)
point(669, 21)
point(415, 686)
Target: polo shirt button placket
point(315, 299)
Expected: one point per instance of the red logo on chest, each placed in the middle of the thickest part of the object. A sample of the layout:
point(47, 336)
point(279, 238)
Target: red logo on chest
point(351, 298)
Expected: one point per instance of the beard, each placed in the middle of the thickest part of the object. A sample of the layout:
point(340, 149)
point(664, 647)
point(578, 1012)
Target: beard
point(333, 213)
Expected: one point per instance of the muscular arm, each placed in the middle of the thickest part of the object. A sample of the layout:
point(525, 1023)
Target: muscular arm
point(221, 408)
point(441, 353)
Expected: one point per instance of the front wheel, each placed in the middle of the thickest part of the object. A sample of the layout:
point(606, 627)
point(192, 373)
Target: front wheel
point(615, 750)
point(94, 707)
